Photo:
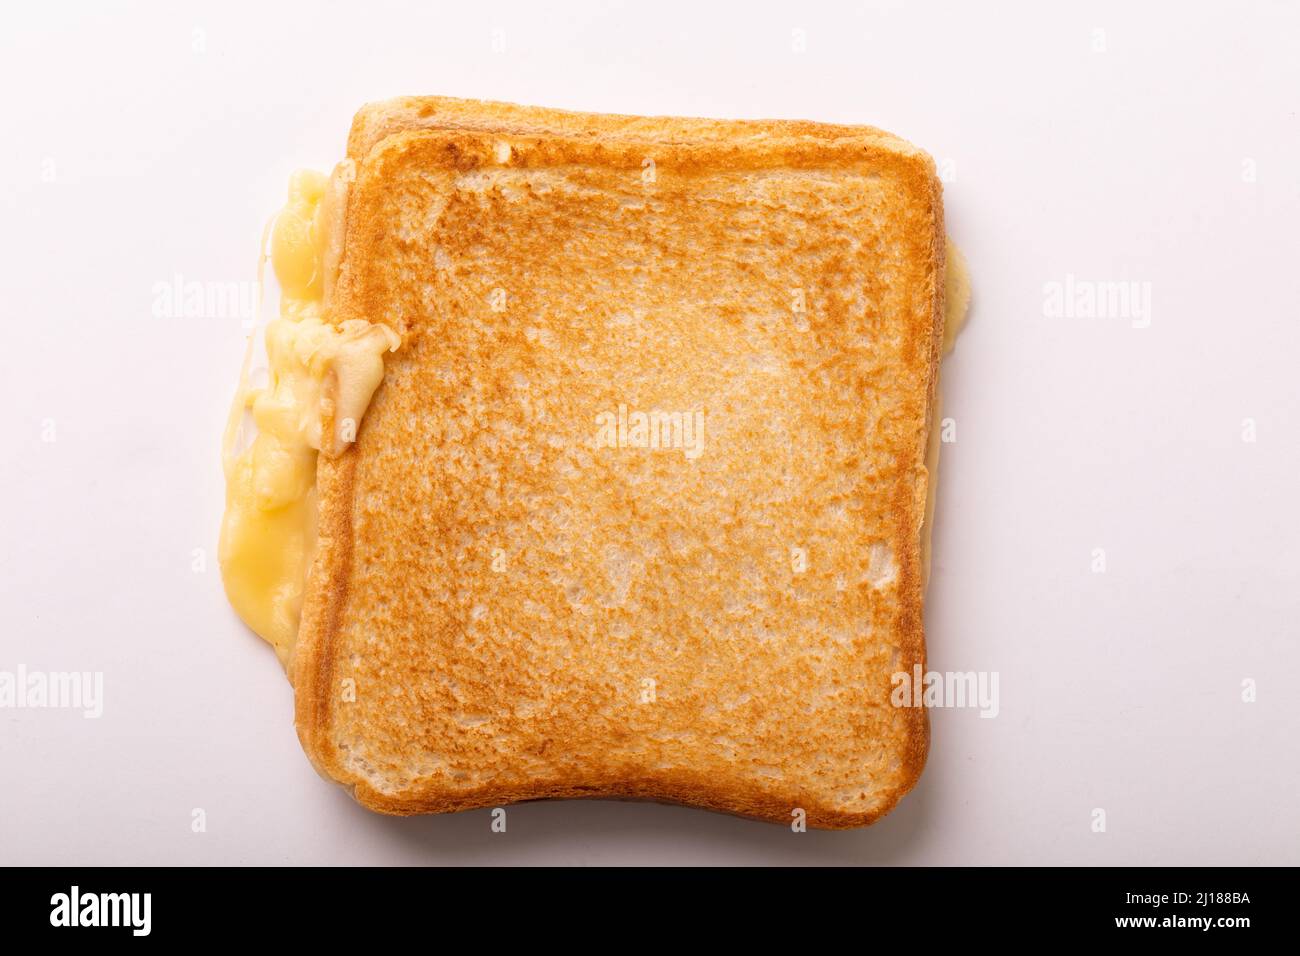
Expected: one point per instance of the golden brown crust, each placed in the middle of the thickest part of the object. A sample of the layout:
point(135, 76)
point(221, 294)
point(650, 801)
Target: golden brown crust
point(375, 121)
point(423, 747)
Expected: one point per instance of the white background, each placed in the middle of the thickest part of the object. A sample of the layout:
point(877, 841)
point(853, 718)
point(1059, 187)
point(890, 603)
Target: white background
point(143, 145)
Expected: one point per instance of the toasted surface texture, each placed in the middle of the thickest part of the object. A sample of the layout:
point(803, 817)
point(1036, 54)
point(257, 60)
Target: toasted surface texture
point(502, 607)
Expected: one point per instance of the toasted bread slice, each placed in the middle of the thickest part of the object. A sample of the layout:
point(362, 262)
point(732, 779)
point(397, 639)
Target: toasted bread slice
point(515, 595)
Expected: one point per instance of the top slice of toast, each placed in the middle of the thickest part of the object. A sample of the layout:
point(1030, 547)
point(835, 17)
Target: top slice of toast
point(516, 595)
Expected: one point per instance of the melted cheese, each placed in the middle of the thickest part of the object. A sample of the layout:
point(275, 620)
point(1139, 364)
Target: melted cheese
point(956, 307)
point(956, 292)
point(320, 379)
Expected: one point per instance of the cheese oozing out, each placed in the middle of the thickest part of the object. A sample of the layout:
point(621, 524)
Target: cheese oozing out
point(320, 379)
point(956, 307)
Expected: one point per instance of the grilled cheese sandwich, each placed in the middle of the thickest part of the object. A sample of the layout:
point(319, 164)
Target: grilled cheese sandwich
point(326, 358)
